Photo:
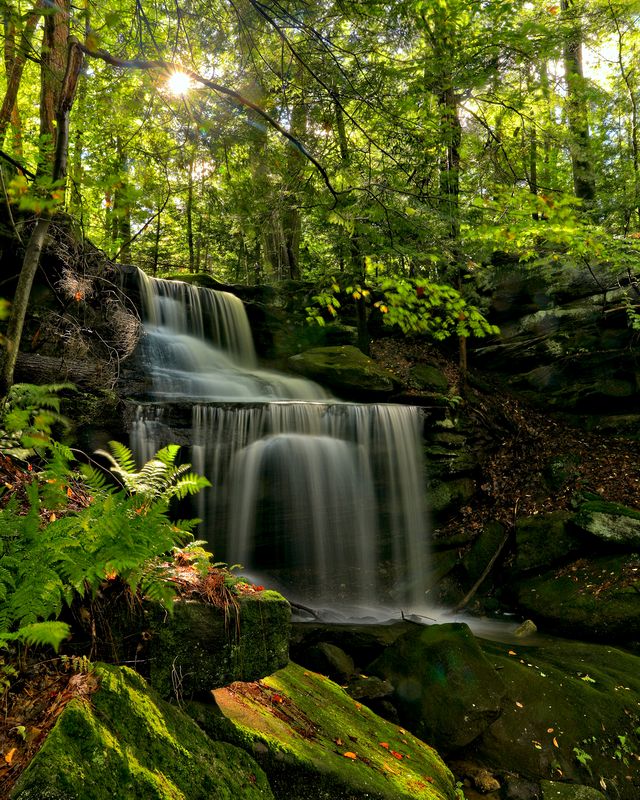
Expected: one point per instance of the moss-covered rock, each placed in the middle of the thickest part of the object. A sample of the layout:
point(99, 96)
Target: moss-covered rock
point(446, 691)
point(611, 522)
point(545, 539)
point(553, 790)
point(200, 647)
point(447, 497)
point(317, 743)
point(346, 371)
point(567, 704)
point(128, 744)
point(588, 598)
point(483, 549)
point(428, 376)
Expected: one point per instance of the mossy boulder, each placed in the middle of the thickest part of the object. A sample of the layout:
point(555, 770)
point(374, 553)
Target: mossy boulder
point(447, 497)
point(429, 377)
point(553, 790)
point(200, 647)
point(611, 522)
point(126, 743)
point(483, 549)
point(544, 540)
point(317, 743)
point(346, 371)
point(589, 598)
point(446, 691)
point(566, 706)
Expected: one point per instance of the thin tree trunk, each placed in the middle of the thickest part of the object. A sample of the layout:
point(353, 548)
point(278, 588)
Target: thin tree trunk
point(584, 183)
point(14, 76)
point(190, 217)
point(37, 240)
point(52, 70)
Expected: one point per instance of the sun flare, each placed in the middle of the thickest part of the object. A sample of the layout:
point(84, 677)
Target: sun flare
point(179, 83)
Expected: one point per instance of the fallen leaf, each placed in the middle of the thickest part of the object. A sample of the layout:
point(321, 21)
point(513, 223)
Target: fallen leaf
point(385, 745)
point(9, 757)
point(512, 653)
point(399, 756)
point(519, 704)
point(339, 742)
point(549, 730)
point(277, 698)
point(555, 742)
point(350, 755)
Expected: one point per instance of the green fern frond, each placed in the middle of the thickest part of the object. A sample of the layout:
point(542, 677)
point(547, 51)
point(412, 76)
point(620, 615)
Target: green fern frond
point(122, 456)
point(168, 454)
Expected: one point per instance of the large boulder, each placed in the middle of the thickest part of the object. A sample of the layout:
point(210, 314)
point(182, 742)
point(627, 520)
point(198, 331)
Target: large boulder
point(346, 371)
point(200, 647)
point(571, 713)
point(317, 743)
point(611, 522)
point(544, 540)
point(125, 742)
point(446, 691)
point(590, 598)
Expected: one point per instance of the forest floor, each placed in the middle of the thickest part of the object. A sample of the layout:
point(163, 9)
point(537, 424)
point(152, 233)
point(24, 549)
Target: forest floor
point(515, 457)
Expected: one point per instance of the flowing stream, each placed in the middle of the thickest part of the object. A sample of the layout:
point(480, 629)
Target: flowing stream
point(320, 498)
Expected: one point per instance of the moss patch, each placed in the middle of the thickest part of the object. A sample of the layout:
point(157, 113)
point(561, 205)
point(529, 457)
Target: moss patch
point(317, 743)
point(544, 540)
point(129, 744)
point(612, 522)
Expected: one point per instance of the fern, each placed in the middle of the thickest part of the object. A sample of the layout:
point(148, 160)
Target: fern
point(28, 415)
point(126, 531)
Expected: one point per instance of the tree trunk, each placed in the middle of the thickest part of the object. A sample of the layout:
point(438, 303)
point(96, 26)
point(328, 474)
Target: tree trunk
point(38, 237)
point(17, 58)
point(52, 70)
point(584, 183)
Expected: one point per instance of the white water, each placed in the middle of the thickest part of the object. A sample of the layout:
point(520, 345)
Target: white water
point(326, 498)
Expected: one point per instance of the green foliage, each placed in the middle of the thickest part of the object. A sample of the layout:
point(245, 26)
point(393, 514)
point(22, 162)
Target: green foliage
point(28, 415)
point(416, 306)
point(49, 557)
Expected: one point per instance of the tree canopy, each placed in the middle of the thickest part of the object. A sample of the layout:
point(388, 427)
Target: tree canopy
point(263, 140)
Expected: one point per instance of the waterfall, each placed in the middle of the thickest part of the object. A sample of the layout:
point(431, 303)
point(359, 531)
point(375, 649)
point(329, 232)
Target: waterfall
point(323, 497)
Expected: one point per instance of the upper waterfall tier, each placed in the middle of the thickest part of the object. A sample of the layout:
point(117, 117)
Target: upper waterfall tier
point(198, 345)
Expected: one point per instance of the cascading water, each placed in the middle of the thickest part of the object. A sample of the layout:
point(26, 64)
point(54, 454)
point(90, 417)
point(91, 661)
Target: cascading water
point(325, 497)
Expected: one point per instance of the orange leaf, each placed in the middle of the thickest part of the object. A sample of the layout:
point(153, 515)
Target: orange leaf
point(52, 518)
point(350, 755)
point(399, 756)
point(512, 653)
point(78, 296)
point(69, 491)
point(358, 706)
point(555, 742)
point(385, 745)
point(549, 730)
point(277, 698)
point(9, 757)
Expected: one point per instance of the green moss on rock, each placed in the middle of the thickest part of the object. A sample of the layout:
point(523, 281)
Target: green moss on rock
point(447, 497)
point(317, 743)
point(427, 376)
point(553, 790)
point(128, 744)
point(610, 522)
point(200, 647)
point(345, 370)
